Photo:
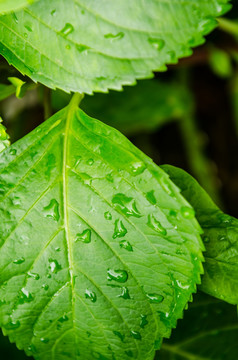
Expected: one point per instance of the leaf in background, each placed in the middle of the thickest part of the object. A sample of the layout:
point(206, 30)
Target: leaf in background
point(208, 331)
point(11, 5)
point(90, 45)
point(6, 91)
point(220, 238)
point(100, 254)
point(4, 138)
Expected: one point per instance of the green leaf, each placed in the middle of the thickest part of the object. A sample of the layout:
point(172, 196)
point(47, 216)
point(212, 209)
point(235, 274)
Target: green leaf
point(100, 253)
point(6, 91)
point(208, 331)
point(220, 238)
point(4, 137)
point(11, 5)
point(89, 45)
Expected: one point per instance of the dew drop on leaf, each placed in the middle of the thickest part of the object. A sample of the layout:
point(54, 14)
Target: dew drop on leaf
point(19, 261)
point(63, 318)
point(82, 48)
point(54, 266)
point(33, 275)
point(25, 296)
point(182, 286)
point(108, 215)
point(90, 162)
point(45, 287)
point(90, 295)
point(113, 37)
point(187, 212)
point(44, 340)
point(125, 293)
point(119, 230)
point(124, 244)
point(121, 337)
point(13, 151)
point(126, 204)
point(143, 321)
point(67, 29)
point(85, 236)
point(155, 298)
point(158, 44)
point(137, 168)
point(52, 210)
point(155, 224)
point(12, 325)
point(135, 334)
point(151, 197)
point(117, 275)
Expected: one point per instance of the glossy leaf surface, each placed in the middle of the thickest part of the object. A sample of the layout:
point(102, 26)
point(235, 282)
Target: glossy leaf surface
point(11, 5)
point(220, 238)
point(100, 253)
point(89, 45)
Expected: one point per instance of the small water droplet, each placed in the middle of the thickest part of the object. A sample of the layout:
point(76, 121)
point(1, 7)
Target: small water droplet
point(25, 296)
point(90, 295)
point(126, 205)
point(58, 249)
point(12, 151)
point(108, 215)
point(68, 47)
point(187, 212)
point(83, 48)
point(54, 266)
point(67, 29)
point(109, 178)
point(151, 197)
point(143, 321)
point(154, 224)
point(52, 210)
point(137, 168)
point(19, 261)
point(32, 348)
point(125, 293)
point(44, 340)
point(90, 162)
point(53, 12)
point(12, 325)
point(114, 37)
point(124, 244)
point(121, 337)
point(28, 27)
point(158, 44)
point(45, 287)
point(33, 275)
point(222, 238)
point(117, 275)
point(155, 298)
point(119, 230)
point(63, 318)
point(15, 17)
point(135, 334)
point(85, 236)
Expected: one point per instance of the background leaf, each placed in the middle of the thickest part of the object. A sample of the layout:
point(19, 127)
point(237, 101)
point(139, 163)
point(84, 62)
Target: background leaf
point(11, 5)
point(100, 254)
point(220, 238)
point(86, 45)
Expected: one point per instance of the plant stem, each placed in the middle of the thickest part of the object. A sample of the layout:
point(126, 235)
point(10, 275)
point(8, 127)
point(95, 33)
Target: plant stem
point(47, 103)
point(76, 100)
point(229, 26)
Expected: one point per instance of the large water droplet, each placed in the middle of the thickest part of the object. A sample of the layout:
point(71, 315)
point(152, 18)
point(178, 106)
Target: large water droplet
point(25, 296)
point(182, 285)
point(187, 212)
point(158, 44)
point(143, 321)
point(114, 37)
point(125, 293)
point(124, 244)
point(137, 168)
point(85, 236)
point(121, 337)
point(136, 335)
point(154, 224)
point(119, 230)
point(151, 197)
point(19, 261)
point(90, 295)
point(12, 325)
point(54, 266)
point(155, 298)
point(117, 275)
point(126, 204)
point(67, 29)
point(52, 210)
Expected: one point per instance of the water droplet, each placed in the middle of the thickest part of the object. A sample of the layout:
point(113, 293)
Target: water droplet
point(126, 245)
point(32, 348)
point(158, 44)
point(172, 58)
point(143, 321)
point(129, 353)
point(166, 186)
point(54, 266)
point(125, 293)
point(182, 286)
point(206, 25)
point(222, 238)
point(90, 162)
point(85, 236)
point(19, 261)
point(117, 275)
point(187, 212)
point(12, 151)
point(154, 224)
point(67, 29)
point(25, 296)
point(121, 337)
point(33, 275)
point(119, 230)
point(28, 27)
point(44, 340)
point(52, 210)
point(151, 197)
point(45, 287)
point(12, 325)
point(90, 295)
point(83, 48)
point(108, 215)
point(15, 17)
point(68, 47)
point(63, 318)
point(137, 168)
point(114, 37)
point(53, 12)
point(135, 334)
point(126, 204)
point(155, 298)
point(58, 249)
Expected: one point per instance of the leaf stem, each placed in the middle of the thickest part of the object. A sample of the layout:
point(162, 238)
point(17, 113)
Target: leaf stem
point(76, 100)
point(228, 26)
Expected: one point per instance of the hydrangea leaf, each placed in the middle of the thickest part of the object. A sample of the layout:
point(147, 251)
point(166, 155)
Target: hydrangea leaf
point(220, 238)
point(90, 45)
point(12, 5)
point(4, 137)
point(100, 253)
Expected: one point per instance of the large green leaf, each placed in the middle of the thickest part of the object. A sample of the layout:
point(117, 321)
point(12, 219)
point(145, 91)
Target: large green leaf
point(91, 45)
point(220, 238)
point(11, 5)
point(208, 331)
point(99, 252)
